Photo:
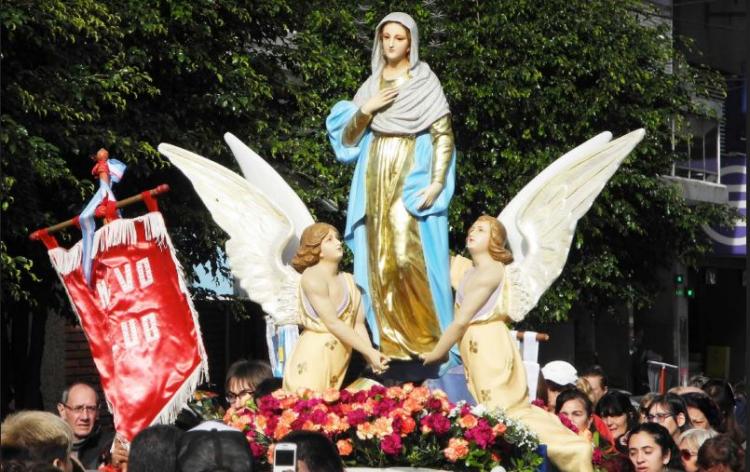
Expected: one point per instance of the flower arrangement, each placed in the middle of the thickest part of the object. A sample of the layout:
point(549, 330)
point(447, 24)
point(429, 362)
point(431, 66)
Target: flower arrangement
point(205, 405)
point(403, 425)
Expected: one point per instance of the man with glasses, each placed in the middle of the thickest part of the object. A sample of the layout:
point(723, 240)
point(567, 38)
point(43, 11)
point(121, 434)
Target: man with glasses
point(79, 407)
point(242, 379)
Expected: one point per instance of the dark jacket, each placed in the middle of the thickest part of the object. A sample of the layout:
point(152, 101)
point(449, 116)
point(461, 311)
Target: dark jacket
point(94, 449)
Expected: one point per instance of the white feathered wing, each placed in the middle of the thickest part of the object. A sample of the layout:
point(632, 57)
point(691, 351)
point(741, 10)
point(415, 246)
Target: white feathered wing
point(265, 178)
point(259, 232)
point(541, 219)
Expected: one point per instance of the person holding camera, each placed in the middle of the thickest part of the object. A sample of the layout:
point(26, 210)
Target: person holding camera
point(306, 451)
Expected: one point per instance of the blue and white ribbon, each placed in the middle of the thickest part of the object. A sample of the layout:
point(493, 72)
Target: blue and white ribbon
point(86, 218)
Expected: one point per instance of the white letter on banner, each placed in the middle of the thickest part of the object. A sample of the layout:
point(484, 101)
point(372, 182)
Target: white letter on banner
point(103, 289)
point(129, 333)
point(143, 269)
point(150, 327)
point(126, 280)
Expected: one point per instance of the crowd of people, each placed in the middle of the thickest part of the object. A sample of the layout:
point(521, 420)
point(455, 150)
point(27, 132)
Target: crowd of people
point(693, 428)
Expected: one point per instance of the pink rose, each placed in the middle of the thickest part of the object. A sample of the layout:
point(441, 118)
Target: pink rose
point(376, 390)
point(538, 402)
point(356, 417)
point(257, 450)
point(481, 434)
point(434, 404)
point(457, 449)
point(318, 416)
point(568, 424)
point(268, 404)
point(597, 457)
point(391, 444)
point(384, 407)
point(436, 422)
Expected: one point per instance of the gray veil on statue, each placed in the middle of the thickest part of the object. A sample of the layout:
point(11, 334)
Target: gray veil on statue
point(397, 131)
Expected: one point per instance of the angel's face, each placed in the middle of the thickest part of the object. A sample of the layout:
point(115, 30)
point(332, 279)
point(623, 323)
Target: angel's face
point(331, 248)
point(478, 238)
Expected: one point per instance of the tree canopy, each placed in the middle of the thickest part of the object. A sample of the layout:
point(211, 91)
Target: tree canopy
point(526, 81)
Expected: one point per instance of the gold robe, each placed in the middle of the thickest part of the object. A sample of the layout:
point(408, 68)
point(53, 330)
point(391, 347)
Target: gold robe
point(496, 377)
point(399, 286)
point(319, 360)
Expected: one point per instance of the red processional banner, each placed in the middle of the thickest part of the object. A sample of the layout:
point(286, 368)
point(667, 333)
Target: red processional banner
point(139, 319)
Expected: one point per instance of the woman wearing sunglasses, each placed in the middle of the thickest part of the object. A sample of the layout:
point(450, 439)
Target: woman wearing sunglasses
point(690, 442)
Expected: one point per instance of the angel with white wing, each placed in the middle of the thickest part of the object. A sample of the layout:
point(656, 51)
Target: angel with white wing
point(332, 313)
point(501, 285)
point(264, 235)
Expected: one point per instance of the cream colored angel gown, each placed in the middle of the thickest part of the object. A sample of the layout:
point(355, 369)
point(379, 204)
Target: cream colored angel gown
point(319, 360)
point(497, 378)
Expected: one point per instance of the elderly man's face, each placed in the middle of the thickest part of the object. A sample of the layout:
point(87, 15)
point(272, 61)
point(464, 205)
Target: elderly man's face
point(81, 410)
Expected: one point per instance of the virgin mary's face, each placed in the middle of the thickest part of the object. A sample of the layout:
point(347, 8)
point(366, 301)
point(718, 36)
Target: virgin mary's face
point(395, 39)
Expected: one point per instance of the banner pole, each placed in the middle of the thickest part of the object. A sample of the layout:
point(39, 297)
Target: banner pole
point(36, 235)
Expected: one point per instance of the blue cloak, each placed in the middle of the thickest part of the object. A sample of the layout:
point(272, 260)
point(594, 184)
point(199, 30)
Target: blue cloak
point(433, 221)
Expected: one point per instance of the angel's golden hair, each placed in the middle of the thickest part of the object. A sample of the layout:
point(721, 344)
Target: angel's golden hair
point(308, 253)
point(498, 239)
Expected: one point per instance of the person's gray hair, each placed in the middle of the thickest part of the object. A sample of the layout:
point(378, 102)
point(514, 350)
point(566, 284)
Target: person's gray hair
point(45, 436)
point(66, 393)
point(696, 437)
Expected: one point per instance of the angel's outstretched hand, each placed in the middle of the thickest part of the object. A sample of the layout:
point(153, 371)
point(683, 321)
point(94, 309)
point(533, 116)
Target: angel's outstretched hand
point(378, 361)
point(432, 358)
point(429, 194)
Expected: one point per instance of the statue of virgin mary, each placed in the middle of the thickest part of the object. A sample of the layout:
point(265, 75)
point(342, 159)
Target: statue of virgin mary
point(397, 131)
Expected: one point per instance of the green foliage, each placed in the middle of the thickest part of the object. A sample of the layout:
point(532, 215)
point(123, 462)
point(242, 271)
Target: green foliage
point(526, 81)
point(125, 75)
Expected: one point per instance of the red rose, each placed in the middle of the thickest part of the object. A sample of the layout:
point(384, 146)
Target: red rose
point(434, 404)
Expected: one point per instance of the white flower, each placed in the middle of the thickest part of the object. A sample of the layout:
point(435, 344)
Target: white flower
point(478, 410)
